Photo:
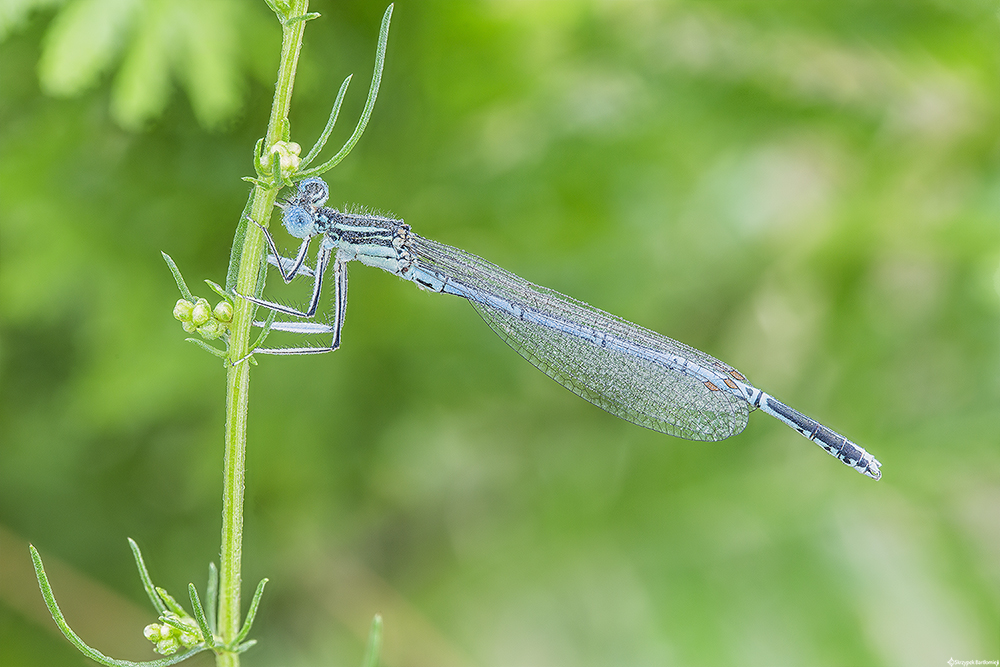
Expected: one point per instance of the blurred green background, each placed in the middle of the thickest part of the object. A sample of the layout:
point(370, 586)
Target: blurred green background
point(808, 191)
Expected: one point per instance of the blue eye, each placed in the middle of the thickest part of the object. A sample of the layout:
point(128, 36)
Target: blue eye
point(313, 191)
point(298, 222)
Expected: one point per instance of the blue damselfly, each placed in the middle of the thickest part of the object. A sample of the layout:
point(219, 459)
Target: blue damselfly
point(632, 372)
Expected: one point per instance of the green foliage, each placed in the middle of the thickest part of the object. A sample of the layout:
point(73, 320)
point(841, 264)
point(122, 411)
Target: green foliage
point(148, 45)
point(179, 633)
point(809, 191)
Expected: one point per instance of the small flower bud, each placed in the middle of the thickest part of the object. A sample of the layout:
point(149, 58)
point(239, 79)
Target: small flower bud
point(163, 637)
point(201, 312)
point(211, 329)
point(288, 157)
point(189, 327)
point(166, 646)
point(182, 310)
point(223, 311)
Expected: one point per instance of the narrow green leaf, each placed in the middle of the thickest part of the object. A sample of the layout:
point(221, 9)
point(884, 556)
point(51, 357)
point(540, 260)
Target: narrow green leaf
point(214, 351)
point(261, 278)
point(258, 167)
point(74, 639)
point(279, 8)
point(175, 622)
point(178, 278)
point(305, 17)
point(217, 288)
point(276, 168)
point(374, 643)
point(147, 582)
point(321, 142)
point(265, 330)
point(236, 250)
point(251, 613)
point(383, 38)
point(199, 615)
point(244, 646)
point(212, 594)
point(171, 603)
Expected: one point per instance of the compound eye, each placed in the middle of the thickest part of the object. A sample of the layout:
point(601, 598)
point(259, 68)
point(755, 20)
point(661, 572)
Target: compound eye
point(298, 222)
point(313, 191)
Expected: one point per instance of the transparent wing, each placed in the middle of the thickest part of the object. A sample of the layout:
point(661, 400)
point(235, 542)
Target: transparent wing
point(589, 351)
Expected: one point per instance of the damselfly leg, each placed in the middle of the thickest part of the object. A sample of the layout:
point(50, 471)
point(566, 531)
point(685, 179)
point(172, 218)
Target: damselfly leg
point(296, 267)
point(289, 269)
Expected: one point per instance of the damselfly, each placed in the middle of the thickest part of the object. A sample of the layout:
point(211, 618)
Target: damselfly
point(632, 372)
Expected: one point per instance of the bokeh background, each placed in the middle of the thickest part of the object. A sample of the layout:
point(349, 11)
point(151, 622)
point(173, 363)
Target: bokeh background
point(808, 191)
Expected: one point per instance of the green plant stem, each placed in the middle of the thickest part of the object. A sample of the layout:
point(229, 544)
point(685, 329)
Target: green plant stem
point(238, 378)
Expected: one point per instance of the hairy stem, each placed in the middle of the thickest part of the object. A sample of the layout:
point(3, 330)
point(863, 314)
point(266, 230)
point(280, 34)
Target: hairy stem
point(238, 378)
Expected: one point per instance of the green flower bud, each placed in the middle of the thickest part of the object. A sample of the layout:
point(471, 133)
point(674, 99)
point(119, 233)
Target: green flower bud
point(288, 157)
point(211, 329)
point(166, 646)
point(189, 327)
point(163, 637)
point(188, 640)
point(182, 310)
point(223, 311)
point(201, 312)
